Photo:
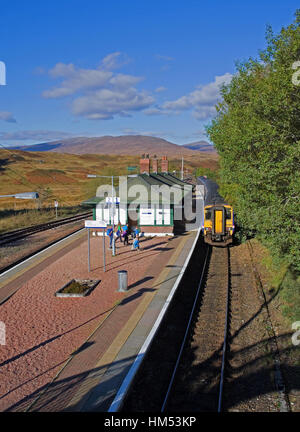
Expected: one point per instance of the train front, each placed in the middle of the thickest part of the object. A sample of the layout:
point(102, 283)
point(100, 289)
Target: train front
point(218, 225)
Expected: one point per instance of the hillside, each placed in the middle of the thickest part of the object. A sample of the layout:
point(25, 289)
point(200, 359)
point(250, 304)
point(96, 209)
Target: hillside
point(121, 145)
point(202, 146)
point(64, 177)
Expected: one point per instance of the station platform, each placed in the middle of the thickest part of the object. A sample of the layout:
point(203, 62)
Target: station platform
point(79, 354)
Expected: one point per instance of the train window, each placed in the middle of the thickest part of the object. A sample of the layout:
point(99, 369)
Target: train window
point(228, 213)
point(208, 215)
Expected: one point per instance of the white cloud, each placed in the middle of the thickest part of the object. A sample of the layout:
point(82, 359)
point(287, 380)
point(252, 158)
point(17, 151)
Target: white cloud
point(160, 89)
point(203, 112)
point(105, 103)
point(156, 111)
point(76, 80)
point(62, 70)
point(123, 81)
point(100, 93)
point(7, 116)
point(114, 61)
point(202, 100)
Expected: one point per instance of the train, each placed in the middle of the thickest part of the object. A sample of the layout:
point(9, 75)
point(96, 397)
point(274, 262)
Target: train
point(218, 221)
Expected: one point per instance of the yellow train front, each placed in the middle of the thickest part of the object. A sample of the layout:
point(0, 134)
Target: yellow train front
point(218, 224)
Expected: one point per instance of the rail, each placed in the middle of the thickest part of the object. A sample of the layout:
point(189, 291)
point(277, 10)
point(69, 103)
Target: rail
point(24, 232)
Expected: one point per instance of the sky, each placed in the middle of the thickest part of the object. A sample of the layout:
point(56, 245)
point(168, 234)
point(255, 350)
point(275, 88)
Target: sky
point(146, 67)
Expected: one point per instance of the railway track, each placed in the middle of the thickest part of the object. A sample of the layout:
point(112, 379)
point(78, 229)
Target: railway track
point(15, 235)
point(185, 368)
point(197, 382)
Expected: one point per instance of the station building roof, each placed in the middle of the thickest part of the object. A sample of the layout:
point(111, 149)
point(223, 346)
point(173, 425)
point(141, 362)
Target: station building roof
point(153, 192)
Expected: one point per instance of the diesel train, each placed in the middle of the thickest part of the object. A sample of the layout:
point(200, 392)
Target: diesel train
point(218, 224)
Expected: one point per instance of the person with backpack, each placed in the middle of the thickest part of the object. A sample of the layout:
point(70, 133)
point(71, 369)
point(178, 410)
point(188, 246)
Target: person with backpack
point(125, 234)
point(136, 244)
point(119, 232)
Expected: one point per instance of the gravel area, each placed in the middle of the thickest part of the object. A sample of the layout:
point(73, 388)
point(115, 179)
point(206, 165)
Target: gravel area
point(250, 381)
point(251, 377)
point(43, 330)
point(289, 353)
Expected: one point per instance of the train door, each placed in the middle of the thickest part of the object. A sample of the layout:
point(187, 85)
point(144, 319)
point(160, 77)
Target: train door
point(218, 222)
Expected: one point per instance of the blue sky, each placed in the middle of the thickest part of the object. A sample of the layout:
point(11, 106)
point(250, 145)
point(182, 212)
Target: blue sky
point(93, 68)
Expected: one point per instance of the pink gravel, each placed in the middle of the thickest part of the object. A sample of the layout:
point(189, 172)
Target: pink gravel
point(42, 330)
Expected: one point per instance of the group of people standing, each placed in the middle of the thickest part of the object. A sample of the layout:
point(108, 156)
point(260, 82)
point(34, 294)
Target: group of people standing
point(122, 234)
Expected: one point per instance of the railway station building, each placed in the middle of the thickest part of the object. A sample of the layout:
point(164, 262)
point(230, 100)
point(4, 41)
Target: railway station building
point(153, 201)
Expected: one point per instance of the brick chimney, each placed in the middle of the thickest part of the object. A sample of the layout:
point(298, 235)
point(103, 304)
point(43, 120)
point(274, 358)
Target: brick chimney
point(145, 164)
point(164, 164)
point(155, 165)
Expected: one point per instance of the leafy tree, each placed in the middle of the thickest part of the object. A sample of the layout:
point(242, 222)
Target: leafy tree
point(257, 135)
point(211, 174)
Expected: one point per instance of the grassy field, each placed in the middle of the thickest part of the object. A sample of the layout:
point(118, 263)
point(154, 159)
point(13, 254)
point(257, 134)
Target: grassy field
point(63, 177)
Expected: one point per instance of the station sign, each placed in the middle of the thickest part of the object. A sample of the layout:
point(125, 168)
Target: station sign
point(116, 200)
point(95, 224)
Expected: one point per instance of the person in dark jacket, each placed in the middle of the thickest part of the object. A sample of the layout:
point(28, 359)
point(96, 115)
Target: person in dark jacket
point(125, 234)
point(119, 232)
point(110, 234)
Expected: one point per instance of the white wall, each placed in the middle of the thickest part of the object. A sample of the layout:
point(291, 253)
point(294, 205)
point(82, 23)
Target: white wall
point(147, 215)
point(119, 214)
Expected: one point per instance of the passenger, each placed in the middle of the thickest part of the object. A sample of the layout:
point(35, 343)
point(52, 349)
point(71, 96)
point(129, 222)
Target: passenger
point(110, 234)
point(119, 231)
point(125, 234)
point(136, 244)
point(136, 232)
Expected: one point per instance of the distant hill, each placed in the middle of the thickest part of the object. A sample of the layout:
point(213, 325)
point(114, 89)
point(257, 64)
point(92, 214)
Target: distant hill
point(202, 146)
point(122, 145)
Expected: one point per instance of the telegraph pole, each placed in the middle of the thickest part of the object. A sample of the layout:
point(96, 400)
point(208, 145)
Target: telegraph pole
point(182, 168)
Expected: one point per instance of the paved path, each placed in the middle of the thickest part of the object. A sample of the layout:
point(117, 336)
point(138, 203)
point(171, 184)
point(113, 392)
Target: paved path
point(91, 379)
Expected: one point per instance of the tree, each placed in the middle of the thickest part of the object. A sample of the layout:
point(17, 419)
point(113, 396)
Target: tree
point(257, 135)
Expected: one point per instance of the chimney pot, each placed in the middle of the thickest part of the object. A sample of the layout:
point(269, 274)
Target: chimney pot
point(144, 165)
point(164, 164)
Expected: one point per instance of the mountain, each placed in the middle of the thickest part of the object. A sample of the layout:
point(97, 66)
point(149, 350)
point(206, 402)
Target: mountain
point(125, 144)
point(202, 146)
